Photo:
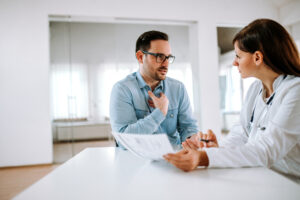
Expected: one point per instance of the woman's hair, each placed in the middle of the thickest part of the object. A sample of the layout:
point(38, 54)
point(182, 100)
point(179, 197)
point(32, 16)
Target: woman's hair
point(274, 42)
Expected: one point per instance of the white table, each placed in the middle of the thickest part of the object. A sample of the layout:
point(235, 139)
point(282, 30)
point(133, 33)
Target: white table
point(110, 173)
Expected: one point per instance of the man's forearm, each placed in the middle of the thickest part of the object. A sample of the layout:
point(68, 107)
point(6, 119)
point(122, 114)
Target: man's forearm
point(148, 124)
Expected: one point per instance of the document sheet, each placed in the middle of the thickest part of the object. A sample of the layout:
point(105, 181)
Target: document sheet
point(144, 145)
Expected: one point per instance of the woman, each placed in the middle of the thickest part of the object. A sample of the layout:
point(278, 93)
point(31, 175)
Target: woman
point(269, 129)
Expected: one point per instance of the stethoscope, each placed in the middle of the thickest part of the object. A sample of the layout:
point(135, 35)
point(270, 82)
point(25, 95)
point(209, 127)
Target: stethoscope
point(263, 113)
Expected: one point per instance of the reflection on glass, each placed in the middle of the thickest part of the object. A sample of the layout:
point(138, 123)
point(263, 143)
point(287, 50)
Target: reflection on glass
point(87, 59)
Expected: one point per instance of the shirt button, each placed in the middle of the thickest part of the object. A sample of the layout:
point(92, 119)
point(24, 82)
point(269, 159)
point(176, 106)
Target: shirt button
point(172, 115)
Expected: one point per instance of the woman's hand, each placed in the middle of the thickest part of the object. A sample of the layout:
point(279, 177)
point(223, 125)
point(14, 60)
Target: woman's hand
point(187, 159)
point(208, 140)
point(201, 140)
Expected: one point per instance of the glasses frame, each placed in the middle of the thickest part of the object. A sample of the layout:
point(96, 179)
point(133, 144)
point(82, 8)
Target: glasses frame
point(160, 54)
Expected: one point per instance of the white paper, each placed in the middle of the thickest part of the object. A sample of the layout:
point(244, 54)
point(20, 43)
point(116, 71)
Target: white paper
point(144, 145)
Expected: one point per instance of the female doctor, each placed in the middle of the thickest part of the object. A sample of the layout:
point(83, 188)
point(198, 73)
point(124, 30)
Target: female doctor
point(269, 129)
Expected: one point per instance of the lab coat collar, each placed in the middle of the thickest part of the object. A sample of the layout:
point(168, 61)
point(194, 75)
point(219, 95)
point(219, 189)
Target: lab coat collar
point(276, 84)
point(278, 81)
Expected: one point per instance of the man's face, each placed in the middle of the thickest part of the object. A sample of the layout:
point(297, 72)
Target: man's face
point(150, 68)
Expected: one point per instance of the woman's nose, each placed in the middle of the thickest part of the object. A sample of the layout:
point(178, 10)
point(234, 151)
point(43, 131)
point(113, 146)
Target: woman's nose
point(235, 63)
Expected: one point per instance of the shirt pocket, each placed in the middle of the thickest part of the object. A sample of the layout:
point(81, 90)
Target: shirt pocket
point(170, 123)
point(140, 114)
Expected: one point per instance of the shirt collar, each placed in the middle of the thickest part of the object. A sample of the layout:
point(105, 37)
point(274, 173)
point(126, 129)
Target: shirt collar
point(143, 84)
point(140, 80)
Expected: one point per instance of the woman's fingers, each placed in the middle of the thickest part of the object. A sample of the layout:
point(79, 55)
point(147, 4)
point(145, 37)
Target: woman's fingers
point(210, 134)
point(202, 144)
point(211, 144)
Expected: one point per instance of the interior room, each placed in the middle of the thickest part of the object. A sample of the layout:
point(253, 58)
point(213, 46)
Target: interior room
point(60, 59)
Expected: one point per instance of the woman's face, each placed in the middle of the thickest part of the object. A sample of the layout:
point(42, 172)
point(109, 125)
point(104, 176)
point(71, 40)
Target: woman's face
point(245, 62)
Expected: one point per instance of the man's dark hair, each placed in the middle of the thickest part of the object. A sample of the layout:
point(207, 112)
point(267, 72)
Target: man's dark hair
point(143, 42)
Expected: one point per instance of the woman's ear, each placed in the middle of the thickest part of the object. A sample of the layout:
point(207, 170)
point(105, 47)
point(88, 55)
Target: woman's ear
point(258, 58)
point(139, 56)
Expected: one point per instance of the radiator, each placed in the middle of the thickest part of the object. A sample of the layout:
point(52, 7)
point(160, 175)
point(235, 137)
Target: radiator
point(81, 131)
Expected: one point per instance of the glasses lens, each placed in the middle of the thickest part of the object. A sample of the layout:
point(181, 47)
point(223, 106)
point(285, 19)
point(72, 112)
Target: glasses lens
point(171, 59)
point(160, 58)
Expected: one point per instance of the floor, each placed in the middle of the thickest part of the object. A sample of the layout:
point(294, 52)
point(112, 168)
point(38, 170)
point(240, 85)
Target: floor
point(14, 180)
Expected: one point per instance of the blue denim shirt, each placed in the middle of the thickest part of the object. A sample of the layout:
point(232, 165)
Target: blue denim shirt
point(130, 112)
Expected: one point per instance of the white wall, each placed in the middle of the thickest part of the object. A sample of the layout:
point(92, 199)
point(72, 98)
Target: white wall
point(25, 136)
point(295, 30)
point(289, 15)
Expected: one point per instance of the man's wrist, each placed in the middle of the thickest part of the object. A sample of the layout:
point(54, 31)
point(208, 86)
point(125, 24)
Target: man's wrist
point(163, 112)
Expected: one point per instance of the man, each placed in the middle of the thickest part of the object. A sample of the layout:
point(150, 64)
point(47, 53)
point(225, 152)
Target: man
point(147, 101)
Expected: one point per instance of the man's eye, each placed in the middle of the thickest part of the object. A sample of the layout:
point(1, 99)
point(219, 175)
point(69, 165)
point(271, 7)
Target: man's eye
point(162, 57)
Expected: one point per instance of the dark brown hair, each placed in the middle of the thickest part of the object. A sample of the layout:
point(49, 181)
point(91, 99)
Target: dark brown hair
point(143, 42)
point(274, 42)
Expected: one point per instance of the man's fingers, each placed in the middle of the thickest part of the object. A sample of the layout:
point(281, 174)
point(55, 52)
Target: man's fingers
point(186, 146)
point(151, 95)
point(150, 102)
point(191, 144)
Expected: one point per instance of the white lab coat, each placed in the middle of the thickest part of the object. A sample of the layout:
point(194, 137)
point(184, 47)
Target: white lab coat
point(278, 146)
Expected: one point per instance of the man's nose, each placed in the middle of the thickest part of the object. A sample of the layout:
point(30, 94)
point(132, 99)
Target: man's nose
point(166, 62)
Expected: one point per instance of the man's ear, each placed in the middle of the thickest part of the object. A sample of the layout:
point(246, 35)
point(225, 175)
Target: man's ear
point(258, 57)
point(139, 56)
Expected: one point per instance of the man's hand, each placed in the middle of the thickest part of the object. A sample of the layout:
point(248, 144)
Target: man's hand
point(201, 140)
point(161, 102)
point(194, 141)
point(187, 159)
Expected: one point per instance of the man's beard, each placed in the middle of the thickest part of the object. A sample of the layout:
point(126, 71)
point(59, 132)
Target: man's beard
point(159, 76)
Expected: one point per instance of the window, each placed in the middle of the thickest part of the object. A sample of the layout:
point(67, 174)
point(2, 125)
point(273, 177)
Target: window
point(69, 91)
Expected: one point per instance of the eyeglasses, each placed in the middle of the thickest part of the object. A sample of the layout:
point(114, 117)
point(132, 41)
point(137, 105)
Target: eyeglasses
point(160, 58)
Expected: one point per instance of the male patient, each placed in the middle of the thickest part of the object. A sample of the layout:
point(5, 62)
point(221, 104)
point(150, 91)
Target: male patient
point(149, 102)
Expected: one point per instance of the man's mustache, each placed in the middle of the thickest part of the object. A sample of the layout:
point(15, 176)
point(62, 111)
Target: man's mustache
point(163, 68)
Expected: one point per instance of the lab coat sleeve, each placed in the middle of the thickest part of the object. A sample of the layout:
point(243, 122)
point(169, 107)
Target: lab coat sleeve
point(264, 151)
point(281, 135)
point(236, 137)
